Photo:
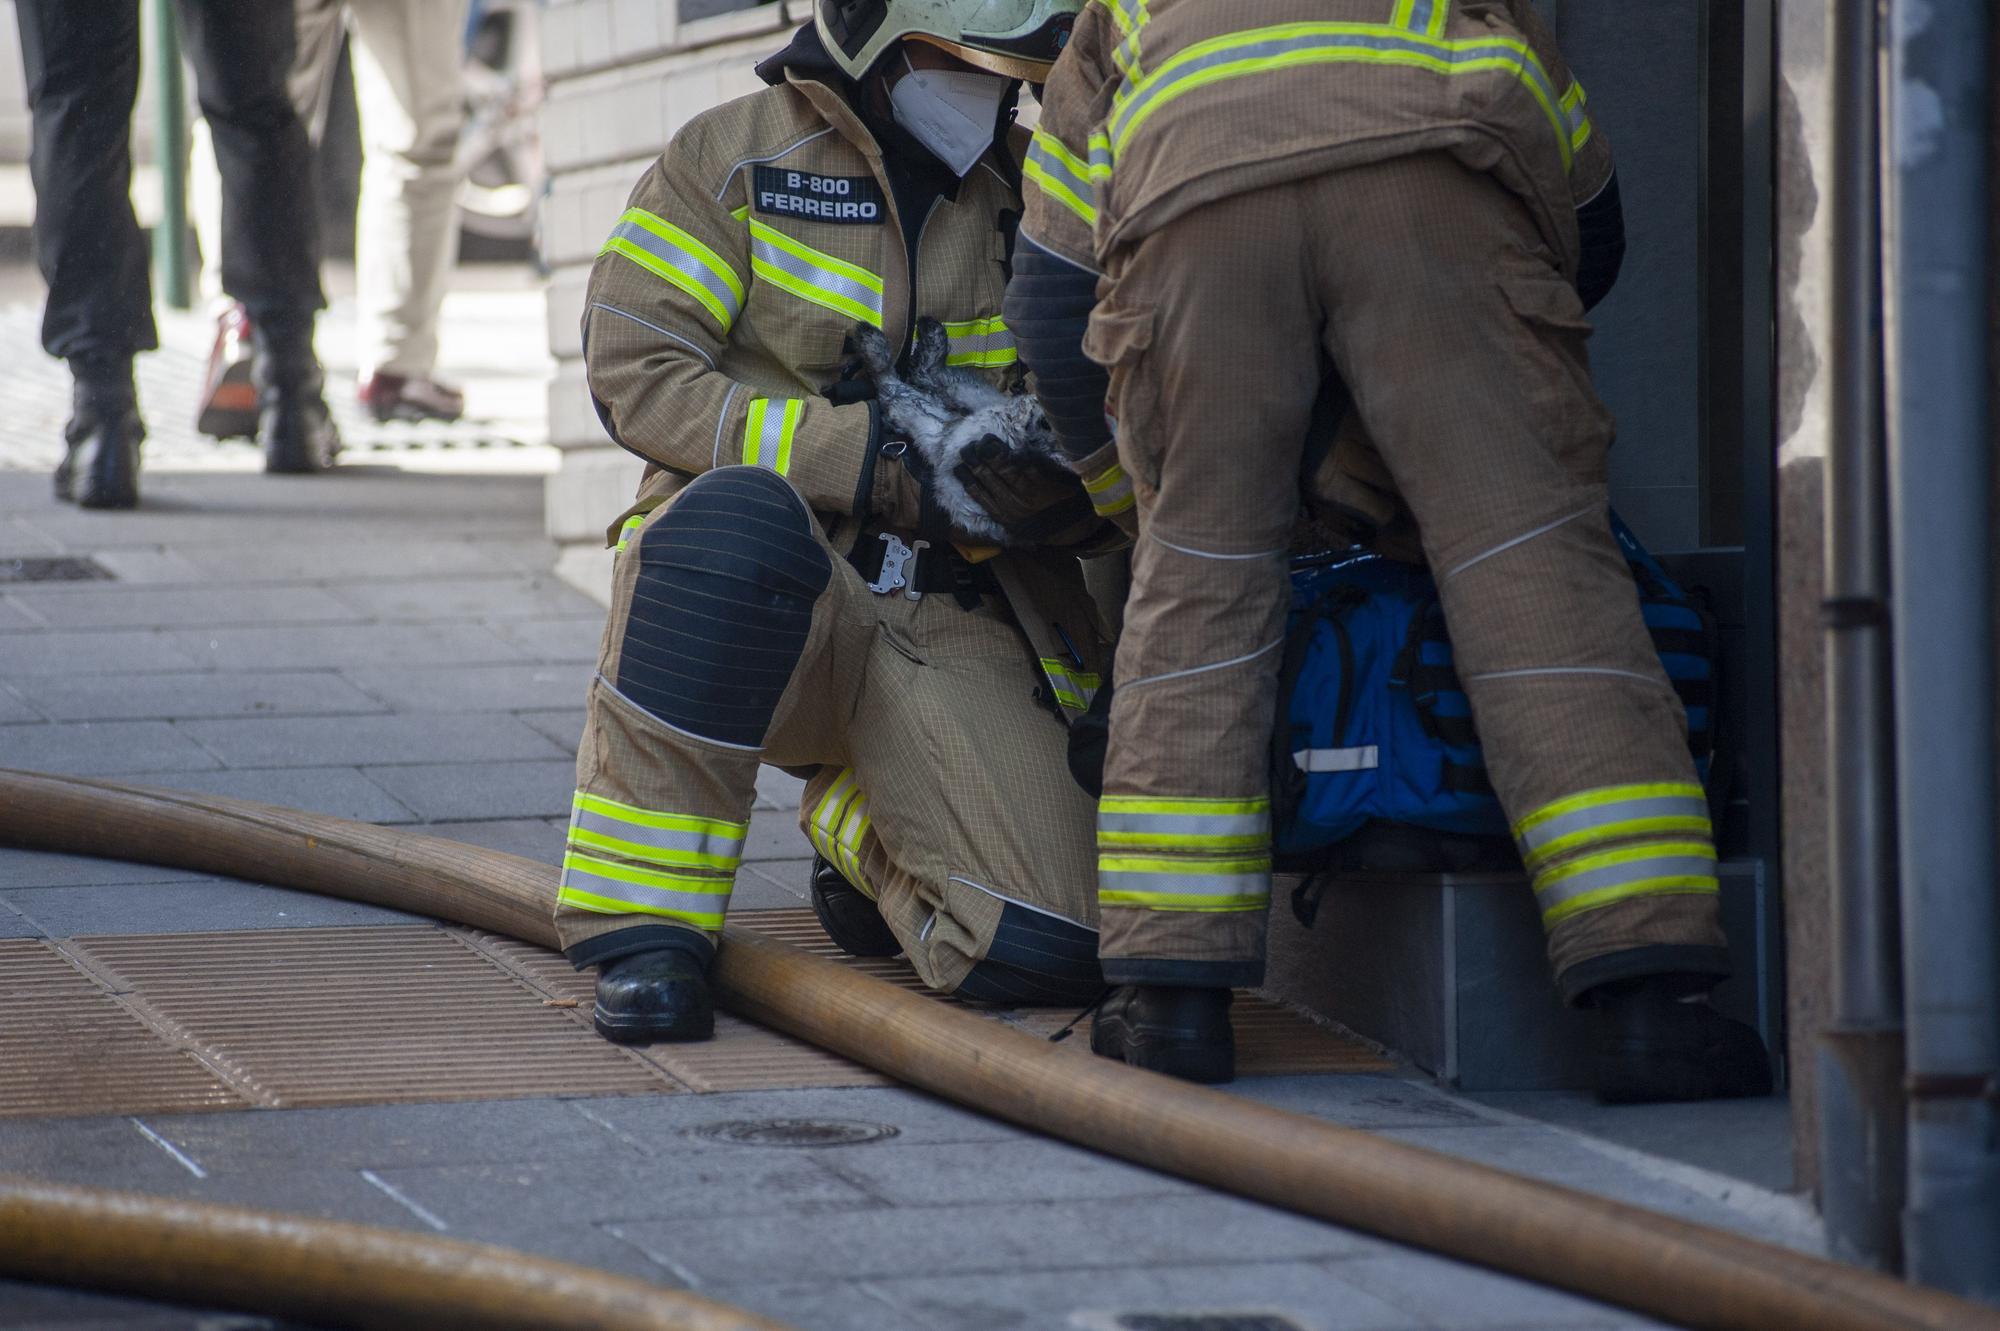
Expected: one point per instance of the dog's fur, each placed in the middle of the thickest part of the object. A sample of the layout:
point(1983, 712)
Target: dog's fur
point(943, 410)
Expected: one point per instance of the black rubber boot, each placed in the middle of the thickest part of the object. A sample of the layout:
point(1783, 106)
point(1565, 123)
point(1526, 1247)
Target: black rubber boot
point(850, 919)
point(1656, 1043)
point(1180, 1031)
point(293, 423)
point(656, 995)
point(101, 468)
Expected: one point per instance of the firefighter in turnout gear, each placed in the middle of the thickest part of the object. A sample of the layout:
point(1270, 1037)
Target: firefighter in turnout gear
point(785, 591)
point(1402, 207)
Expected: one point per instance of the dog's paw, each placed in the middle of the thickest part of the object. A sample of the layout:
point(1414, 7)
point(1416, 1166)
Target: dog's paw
point(873, 348)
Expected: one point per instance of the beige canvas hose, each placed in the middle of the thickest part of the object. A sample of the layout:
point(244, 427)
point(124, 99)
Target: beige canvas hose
point(1625, 1255)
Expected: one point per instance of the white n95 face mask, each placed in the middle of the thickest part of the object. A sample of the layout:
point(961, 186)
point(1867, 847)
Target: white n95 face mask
point(951, 112)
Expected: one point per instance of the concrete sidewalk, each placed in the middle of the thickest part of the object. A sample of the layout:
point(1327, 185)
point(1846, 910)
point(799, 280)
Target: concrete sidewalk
point(386, 643)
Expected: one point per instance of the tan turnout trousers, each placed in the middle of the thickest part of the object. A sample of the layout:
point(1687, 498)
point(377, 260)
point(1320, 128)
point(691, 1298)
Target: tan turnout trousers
point(1431, 291)
point(941, 789)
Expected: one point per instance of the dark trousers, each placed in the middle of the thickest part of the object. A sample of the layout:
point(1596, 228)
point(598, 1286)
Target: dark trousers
point(82, 59)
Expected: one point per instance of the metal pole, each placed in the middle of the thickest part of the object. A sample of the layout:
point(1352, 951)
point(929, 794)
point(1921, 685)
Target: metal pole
point(1861, 1146)
point(1940, 459)
point(170, 233)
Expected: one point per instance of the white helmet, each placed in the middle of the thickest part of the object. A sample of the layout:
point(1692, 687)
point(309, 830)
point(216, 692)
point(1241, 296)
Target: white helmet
point(1019, 39)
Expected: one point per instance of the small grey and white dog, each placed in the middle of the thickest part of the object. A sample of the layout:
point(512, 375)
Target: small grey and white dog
point(943, 410)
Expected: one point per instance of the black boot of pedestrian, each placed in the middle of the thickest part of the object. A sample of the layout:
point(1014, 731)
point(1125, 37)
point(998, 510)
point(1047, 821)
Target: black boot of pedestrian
point(1659, 1039)
point(101, 467)
point(850, 919)
point(293, 423)
point(657, 995)
point(1180, 1031)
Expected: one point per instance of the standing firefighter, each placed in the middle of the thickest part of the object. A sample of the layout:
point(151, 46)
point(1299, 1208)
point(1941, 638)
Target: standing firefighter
point(784, 589)
point(1376, 203)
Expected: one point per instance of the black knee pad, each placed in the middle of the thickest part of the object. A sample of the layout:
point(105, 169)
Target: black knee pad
point(1036, 959)
point(727, 581)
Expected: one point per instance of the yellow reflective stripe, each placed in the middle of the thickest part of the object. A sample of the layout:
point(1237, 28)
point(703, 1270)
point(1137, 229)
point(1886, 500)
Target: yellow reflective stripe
point(668, 252)
point(767, 436)
point(1654, 867)
point(608, 887)
point(1579, 119)
point(678, 822)
point(837, 826)
point(1620, 830)
point(1182, 804)
point(1190, 841)
point(1172, 901)
point(814, 275)
point(1295, 45)
point(632, 524)
point(636, 850)
point(1110, 491)
point(985, 342)
point(1210, 830)
point(1184, 868)
point(1607, 797)
point(1070, 182)
point(598, 905)
point(1696, 885)
point(1426, 16)
point(1073, 688)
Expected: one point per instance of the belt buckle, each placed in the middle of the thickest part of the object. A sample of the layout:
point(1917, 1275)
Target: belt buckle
point(895, 555)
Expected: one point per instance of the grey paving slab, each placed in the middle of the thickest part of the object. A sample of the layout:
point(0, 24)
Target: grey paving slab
point(1030, 1170)
point(325, 646)
point(569, 638)
point(662, 1122)
point(502, 688)
point(13, 924)
point(1746, 1139)
point(1312, 1295)
point(14, 708)
point(188, 907)
point(477, 791)
point(539, 839)
point(775, 835)
point(16, 536)
point(772, 885)
point(822, 1306)
point(109, 652)
point(1364, 1101)
point(94, 605)
point(1014, 1237)
point(149, 566)
point(36, 868)
point(352, 740)
point(383, 556)
point(15, 617)
point(564, 727)
point(45, 1308)
point(778, 789)
point(182, 695)
point(378, 1137)
point(99, 1151)
point(1466, 1298)
point(430, 599)
point(340, 791)
point(97, 748)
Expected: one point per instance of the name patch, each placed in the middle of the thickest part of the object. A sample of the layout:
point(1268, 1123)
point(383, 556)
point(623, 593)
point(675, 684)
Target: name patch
point(841, 199)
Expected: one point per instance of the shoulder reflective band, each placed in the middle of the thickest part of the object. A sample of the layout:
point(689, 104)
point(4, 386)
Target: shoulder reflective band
point(1073, 688)
point(768, 431)
point(625, 533)
point(1612, 813)
point(606, 887)
point(1130, 16)
point(1649, 868)
point(1425, 16)
point(1361, 758)
point(812, 275)
point(1293, 45)
point(667, 252)
point(837, 826)
point(1183, 884)
point(1058, 173)
point(1186, 826)
point(1110, 491)
point(605, 826)
point(987, 343)
point(1578, 118)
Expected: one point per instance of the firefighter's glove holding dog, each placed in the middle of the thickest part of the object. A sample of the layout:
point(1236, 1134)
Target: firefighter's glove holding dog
point(1035, 499)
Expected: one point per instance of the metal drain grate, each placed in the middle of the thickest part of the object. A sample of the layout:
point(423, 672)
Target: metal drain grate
point(67, 1047)
point(60, 568)
point(297, 1017)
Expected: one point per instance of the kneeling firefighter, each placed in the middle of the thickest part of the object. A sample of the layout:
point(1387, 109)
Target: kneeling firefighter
point(1392, 206)
point(784, 591)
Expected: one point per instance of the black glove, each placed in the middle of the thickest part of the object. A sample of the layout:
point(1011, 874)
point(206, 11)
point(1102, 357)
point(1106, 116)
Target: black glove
point(1089, 738)
point(1035, 500)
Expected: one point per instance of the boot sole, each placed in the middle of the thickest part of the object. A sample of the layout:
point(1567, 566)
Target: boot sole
point(648, 1030)
point(1206, 1063)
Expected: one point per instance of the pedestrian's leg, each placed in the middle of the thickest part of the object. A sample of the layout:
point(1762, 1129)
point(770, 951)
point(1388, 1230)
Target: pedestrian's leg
point(411, 95)
point(82, 67)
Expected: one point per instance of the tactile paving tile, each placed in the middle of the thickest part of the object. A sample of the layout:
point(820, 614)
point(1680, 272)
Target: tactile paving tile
point(69, 1047)
point(297, 1017)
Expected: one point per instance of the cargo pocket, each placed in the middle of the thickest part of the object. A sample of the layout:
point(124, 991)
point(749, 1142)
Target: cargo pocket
point(1556, 334)
point(1118, 338)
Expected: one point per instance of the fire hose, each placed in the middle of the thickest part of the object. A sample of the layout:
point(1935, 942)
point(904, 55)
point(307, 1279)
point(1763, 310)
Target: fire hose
point(1654, 1264)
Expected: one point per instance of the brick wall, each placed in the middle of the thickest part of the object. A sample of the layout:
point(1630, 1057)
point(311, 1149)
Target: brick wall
point(623, 76)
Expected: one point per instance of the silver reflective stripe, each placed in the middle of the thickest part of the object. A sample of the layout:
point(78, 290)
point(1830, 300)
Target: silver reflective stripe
point(1244, 887)
point(660, 838)
point(654, 898)
point(1601, 816)
point(681, 261)
point(1270, 48)
point(1626, 873)
point(825, 279)
point(1085, 192)
point(1358, 759)
point(1187, 824)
